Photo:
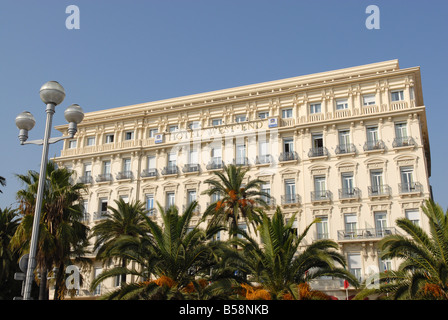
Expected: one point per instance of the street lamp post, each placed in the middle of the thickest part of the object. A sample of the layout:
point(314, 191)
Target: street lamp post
point(52, 94)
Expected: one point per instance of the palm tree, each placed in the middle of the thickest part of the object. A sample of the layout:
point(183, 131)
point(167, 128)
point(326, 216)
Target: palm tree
point(236, 200)
point(62, 236)
point(176, 254)
point(9, 221)
point(125, 220)
point(2, 182)
point(423, 272)
point(279, 265)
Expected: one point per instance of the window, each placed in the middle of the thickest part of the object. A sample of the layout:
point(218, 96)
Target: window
point(150, 203)
point(344, 141)
point(341, 104)
point(170, 199)
point(126, 165)
point(290, 191)
point(351, 221)
point(413, 215)
point(85, 210)
point(355, 264)
point(286, 113)
point(397, 95)
point(193, 156)
point(125, 199)
point(380, 223)
point(90, 141)
point(87, 170)
point(411, 93)
point(262, 148)
point(288, 145)
point(103, 205)
point(191, 196)
point(266, 187)
point(320, 187)
point(240, 118)
point(72, 144)
point(315, 108)
point(109, 138)
point(151, 162)
point(241, 154)
point(322, 228)
point(384, 264)
point(173, 128)
point(372, 134)
point(263, 115)
point(368, 100)
point(129, 135)
point(215, 197)
point(348, 188)
point(407, 179)
point(401, 131)
point(376, 177)
point(172, 160)
point(96, 273)
point(153, 132)
point(194, 125)
point(317, 144)
point(216, 155)
point(216, 122)
point(106, 167)
point(242, 227)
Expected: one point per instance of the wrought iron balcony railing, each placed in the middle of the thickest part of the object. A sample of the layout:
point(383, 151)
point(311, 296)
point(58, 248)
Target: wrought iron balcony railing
point(345, 149)
point(214, 165)
point(374, 145)
point(191, 167)
point(263, 159)
point(124, 175)
point(290, 199)
point(104, 177)
point(381, 190)
point(148, 173)
point(318, 152)
point(414, 187)
point(100, 215)
point(85, 179)
point(170, 170)
point(403, 142)
point(321, 195)
point(349, 193)
point(241, 161)
point(362, 234)
point(288, 156)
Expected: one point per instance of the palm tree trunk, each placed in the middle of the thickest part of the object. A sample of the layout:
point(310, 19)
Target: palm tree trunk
point(43, 293)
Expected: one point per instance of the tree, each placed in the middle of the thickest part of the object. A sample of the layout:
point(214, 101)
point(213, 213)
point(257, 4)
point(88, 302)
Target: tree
point(423, 272)
point(2, 182)
point(125, 220)
point(170, 258)
point(9, 221)
point(277, 263)
point(237, 200)
point(62, 237)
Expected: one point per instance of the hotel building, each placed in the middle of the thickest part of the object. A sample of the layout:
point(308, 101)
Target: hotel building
point(349, 146)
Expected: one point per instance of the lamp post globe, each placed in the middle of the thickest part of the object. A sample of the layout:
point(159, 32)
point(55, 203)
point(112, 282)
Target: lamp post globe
point(52, 93)
point(25, 121)
point(74, 113)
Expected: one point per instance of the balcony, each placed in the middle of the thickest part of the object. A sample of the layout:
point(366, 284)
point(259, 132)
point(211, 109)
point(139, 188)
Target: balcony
point(349, 194)
point(381, 191)
point(170, 170)
point(413, 188)
point(241, 161)
point(377, 145)
point(99, 215)
point(215, 164)
point(290, 199)
point(85, 179)
point(321, 196)
point(124, 175)
point(365, 234)
point(191, 168)
point(263, 159)
point(104, 177)
point(345, 149)
point(148, 173)
point(404, 142)
point(319, 152)
point(270, 201)
point(288, 156)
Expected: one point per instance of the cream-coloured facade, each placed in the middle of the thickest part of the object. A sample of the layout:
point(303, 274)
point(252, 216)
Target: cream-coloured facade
point(349, 146)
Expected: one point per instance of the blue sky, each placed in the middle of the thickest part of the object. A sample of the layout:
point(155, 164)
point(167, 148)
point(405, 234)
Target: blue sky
point(135, 51)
